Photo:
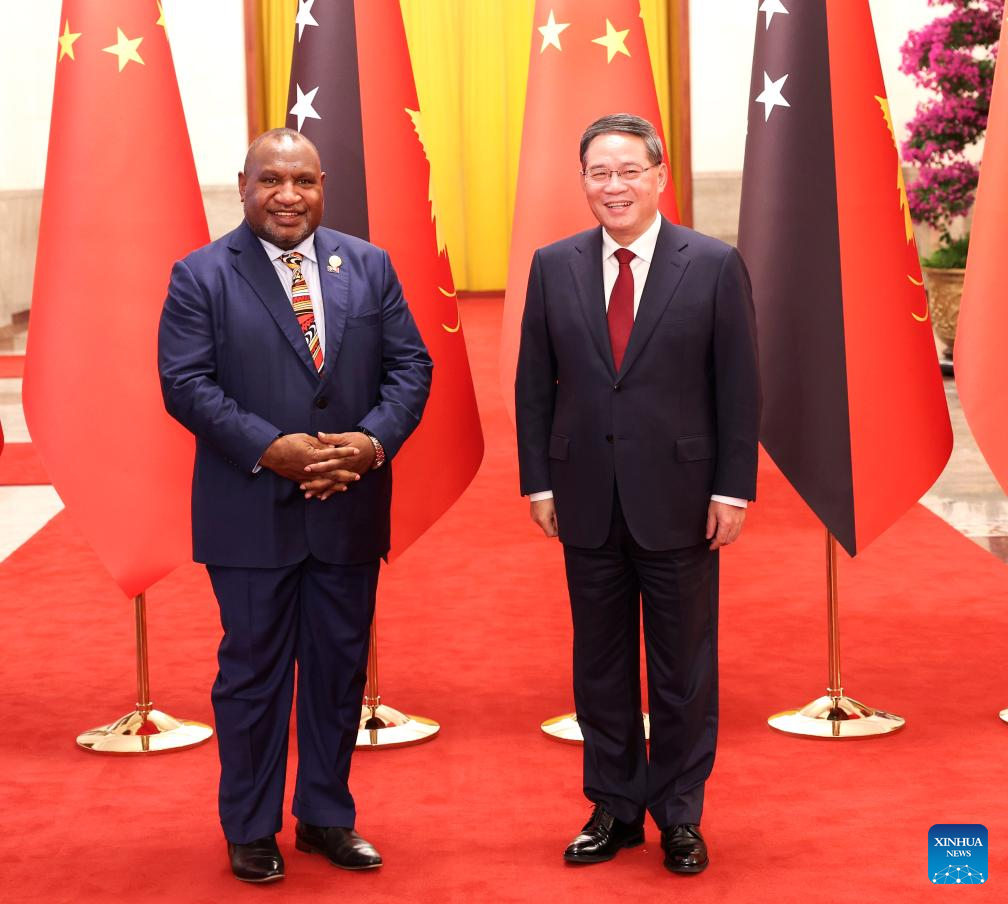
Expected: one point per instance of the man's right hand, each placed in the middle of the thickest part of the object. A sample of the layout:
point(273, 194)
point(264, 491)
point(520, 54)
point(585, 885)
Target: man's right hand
point(289, 456)
point(544, 514)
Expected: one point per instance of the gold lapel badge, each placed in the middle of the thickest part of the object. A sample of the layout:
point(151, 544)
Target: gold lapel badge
point(335, 262)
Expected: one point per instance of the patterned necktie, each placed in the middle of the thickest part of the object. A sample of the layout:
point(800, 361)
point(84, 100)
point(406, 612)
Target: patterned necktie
point(621, 306)
point(301, 302)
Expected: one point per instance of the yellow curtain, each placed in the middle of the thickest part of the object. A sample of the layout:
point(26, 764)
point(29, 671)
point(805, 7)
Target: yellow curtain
point(470, 61)
point(276, 45)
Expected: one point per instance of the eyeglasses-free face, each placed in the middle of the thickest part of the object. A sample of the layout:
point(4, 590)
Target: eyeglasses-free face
point(626, 205)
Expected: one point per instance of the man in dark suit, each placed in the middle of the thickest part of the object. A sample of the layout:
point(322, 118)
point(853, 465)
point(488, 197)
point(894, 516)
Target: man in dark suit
point(637, 400)
point(290, 353)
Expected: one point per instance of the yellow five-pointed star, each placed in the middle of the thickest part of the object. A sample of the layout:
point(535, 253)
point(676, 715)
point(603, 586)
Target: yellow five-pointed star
point(613, 41)
point(66, 42)
point(125, 48)
point(160, 18)
point(551, 32)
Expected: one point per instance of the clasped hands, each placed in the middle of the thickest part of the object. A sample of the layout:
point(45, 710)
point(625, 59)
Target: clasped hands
point(320, 465)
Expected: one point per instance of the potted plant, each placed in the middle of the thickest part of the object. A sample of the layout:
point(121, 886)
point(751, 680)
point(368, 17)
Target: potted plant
point(952, 58)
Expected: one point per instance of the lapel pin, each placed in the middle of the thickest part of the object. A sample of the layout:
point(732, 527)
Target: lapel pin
point(335, 262)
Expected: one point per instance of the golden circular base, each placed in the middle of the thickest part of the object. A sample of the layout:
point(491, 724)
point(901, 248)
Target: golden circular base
point(1003, 715)
point(157, 732)
point(836, 717)
point(384, 726)
point(565, 728)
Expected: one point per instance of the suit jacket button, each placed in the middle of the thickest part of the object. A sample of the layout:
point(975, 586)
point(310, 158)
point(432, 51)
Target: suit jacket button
point(616, 387)
point(321, 403)
point(608, 437)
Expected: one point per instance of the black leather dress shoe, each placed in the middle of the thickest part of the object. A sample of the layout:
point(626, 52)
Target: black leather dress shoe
point(257, 861)
point(603, 837)
point(344, 847)
point(685, 849)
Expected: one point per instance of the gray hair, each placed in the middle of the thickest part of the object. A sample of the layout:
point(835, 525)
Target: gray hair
point(276, 135)
point(629, 124)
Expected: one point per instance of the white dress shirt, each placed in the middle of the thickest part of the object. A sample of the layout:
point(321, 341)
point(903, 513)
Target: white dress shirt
point(644, 248)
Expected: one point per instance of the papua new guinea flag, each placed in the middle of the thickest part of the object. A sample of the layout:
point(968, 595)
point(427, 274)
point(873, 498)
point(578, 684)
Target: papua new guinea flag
point(352, 93)
point(854, 411)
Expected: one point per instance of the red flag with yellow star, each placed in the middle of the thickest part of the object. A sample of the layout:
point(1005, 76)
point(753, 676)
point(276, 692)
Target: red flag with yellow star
point(352, 93)
point(983, 315)
point(121, 203)
point(854, 412)
point(588, 58)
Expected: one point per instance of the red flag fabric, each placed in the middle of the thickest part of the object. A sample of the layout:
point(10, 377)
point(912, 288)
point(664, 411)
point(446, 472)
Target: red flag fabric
point(854, 410)
point(352, 93)
point(121, 203)
point(588, 58)
point(982, 331)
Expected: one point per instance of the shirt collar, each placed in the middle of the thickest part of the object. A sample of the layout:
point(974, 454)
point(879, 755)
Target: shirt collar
point(643, 246)
point(306, 248)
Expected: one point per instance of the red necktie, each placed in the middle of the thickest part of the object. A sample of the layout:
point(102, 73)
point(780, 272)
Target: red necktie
point(621, 306)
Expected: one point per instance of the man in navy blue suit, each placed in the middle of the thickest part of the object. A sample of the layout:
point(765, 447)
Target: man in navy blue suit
point(289, 351)
point(638, 402)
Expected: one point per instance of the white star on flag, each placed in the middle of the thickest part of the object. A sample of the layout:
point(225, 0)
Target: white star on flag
point(303, 109)
point(771, 96)
point(304, 17)
point(551, 32)
point(770, 8)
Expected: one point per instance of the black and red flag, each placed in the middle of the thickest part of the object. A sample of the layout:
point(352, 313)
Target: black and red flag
point(352, 93)
point(854, 412)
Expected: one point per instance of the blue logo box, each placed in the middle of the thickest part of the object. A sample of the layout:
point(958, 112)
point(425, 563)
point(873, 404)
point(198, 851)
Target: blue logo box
point(957, 854)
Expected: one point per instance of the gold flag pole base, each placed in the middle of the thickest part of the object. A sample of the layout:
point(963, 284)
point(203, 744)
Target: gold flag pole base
point(145, 729)
point(383, 726)
point(1003, 715)
point(565, 728)
point(836, 716)
point(137, 732)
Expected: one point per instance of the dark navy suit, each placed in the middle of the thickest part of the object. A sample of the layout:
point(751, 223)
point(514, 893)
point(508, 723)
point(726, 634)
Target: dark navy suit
point(295, 578)
point(632, 458)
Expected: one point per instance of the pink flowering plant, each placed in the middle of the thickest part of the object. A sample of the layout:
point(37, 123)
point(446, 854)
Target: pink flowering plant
point(952, 57)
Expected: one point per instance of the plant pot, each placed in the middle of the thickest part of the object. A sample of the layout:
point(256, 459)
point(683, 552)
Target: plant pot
point(944, 290)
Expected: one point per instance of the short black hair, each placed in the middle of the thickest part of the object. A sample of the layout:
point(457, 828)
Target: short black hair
point(629, 124)
point(276, 135)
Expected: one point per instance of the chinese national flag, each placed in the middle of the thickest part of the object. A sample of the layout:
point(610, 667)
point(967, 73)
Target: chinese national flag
point(854, 412)
point(588, 58)
point(352, 93)
point(121, 203)
point(982, 332)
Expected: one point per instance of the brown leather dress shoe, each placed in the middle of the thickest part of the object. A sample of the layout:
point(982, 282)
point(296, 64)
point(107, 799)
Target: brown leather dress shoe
point(603, 837)
point(257, 861)
point(685, 849)
point(344, 847)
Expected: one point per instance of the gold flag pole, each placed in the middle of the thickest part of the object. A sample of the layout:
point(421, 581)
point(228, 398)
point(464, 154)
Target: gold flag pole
point(835, 715)
point(381, 725)
point(145, 729)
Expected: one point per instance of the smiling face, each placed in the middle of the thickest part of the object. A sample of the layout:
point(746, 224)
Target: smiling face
point(625, 209)
point(281, 189)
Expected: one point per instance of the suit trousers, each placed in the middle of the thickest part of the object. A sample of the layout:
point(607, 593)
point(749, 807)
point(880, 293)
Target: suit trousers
point(678, 591)
point(318, 615)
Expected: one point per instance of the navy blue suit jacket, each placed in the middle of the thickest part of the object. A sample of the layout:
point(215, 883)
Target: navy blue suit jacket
point(680, 419)
point(235, 370)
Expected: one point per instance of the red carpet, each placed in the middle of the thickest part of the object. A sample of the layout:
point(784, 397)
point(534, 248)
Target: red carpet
point(474, 631)
point(20, 466)
point(11, 366)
